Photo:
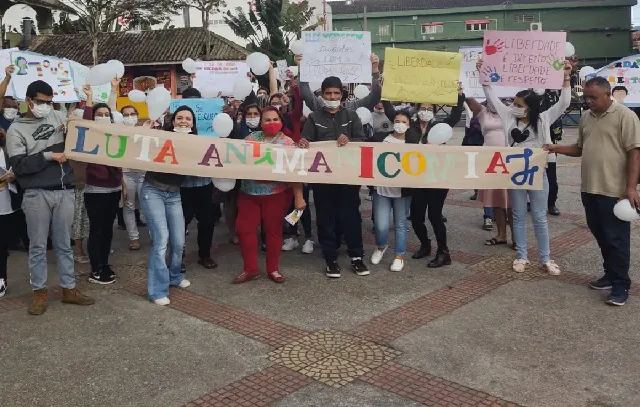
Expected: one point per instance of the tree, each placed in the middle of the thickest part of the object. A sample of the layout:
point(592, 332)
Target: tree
point(206, 9)
point(272, 25)
point(98, 16)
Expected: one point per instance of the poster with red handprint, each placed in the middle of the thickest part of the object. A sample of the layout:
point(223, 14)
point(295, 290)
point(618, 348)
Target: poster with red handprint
point(525, 59)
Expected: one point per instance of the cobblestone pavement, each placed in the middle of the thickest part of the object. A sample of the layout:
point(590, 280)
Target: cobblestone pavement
point(471, 334)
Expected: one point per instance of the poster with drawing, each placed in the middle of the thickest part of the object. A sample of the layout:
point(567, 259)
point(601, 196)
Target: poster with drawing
point(470, 77)
point(624, 77)
point(30, 67)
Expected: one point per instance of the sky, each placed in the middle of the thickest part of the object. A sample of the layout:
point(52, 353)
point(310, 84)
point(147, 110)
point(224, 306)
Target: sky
point(635, 15)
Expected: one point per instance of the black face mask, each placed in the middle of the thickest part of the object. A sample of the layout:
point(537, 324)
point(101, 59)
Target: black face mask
point(519, 136)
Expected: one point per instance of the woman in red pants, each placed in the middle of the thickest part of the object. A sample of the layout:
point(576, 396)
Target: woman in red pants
point(266, 203)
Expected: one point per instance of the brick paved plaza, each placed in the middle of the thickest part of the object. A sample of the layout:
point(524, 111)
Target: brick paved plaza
point(471, 334)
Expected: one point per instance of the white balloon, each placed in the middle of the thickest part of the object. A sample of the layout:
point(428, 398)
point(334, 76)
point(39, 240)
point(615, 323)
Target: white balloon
point(297, 47)
point(440, 134)
point(158, 102)
point(586, 70)
point(259, 63)
point(117, 67)
point(222, 125)
point(117, 117)
point(364, 114)
point(361, 91)
point(137, 96)
point(208, 93)
point(624, 211)
point(100, 74)
point(294, 70)
point(242, 88)
point(569, 49)
point(189, 65)
point(305, 109)
point(224, 184)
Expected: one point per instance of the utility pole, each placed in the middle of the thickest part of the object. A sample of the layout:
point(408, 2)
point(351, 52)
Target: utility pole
point(365, 17)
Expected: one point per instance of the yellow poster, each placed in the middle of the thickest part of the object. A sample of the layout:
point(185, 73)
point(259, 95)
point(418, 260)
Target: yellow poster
point(421, 76)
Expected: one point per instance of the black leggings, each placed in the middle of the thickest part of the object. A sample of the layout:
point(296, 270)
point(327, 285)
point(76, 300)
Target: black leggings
point(553, 183)
point(431, 200)
point(101, 210)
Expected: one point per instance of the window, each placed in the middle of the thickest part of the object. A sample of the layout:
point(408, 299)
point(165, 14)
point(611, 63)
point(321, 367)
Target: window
point(477, 26)
point(526, 18)
point(384, 31)
point(432, 28)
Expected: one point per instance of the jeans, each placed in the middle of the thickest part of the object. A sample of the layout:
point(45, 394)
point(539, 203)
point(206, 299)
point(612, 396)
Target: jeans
point(431, 200)
point(46, 211)
point(197, 202)
point(133, 180)
point(488, 212)
point(382, 207)
point(268, 211)
point(337, 213)
point(553, 183)
point(538, 201)
point(163, 211)
point(613, 236)
point(101, 209)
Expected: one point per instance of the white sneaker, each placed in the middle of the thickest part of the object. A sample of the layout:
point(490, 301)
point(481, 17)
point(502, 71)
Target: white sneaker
point(162, 301)
point(519, 265)
point(376, 257)
point(184, 283)
point(307, 248)
point(552, 268)
point(397, 265)
point(290, 244)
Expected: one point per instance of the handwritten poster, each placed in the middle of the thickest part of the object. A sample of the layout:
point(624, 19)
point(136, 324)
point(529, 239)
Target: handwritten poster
point(626, 73)
point(80, 73)
point(345, 54)
point(204, 109)
point(528, 59)
point(470, 77)
point(56, 72)
point(282, 70)
point(218, 76)
point(5, 61)
point(421, 76)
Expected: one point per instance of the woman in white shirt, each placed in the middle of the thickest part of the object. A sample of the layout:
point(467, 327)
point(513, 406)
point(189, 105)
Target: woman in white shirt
point(525, 126)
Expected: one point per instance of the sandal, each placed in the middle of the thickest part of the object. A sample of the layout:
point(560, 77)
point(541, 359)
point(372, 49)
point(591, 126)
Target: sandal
point(494, 242)
point(135, 245)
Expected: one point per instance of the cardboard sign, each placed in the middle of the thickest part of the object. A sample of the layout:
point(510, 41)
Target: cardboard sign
point(345, 54)
point(218, 76)
point(5, 61)
point(31, 67)
point(80, 74)
point(624, 72)
point(470, 77)
point(384, 164)
point(527, 59)
point(421, 76)
point(204, 109)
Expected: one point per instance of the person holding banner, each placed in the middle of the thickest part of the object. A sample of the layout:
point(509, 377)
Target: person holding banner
point(526, 126)
point(8, 105)
point(431, 200)
point(265, 203)
point(162, 206)
point(35, 144)
point(337, 206)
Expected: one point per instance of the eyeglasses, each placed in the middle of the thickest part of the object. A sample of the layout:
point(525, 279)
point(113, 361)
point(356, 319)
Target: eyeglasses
point(42, 102)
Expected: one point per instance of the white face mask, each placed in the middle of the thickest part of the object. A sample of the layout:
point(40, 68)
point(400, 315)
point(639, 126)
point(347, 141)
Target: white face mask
point(253, 122)
point(102, 119)
point(376, 110)
point(42, 110)
point(519, 112)
point(277, 106)
point(331, 104)
point(130, 120)
point(400, 128)
point(425, 115)
point(183, 130)
point(9, 113)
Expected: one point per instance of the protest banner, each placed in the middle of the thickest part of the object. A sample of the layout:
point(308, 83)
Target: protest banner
point(5, 61)
point(30, 67)
point(345, 54)
point(527, 59)
point(470, 77)
point(383, 164)
point(218, 76)
point(204, 109)
point(624, 72)
point(421, 76)
point(80, 73)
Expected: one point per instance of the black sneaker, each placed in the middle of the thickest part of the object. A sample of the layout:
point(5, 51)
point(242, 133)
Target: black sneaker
point(3, 287)
point(602, 283)
point(554, 211)
point(333, 270)
point(358, 266)
point(109, 272)
point(102, 278)
point(618, 296)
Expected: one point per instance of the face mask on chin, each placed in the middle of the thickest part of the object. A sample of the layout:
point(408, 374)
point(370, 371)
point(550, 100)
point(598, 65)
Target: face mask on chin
point(9, 113)
point(41, 111)
point(182, 130)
